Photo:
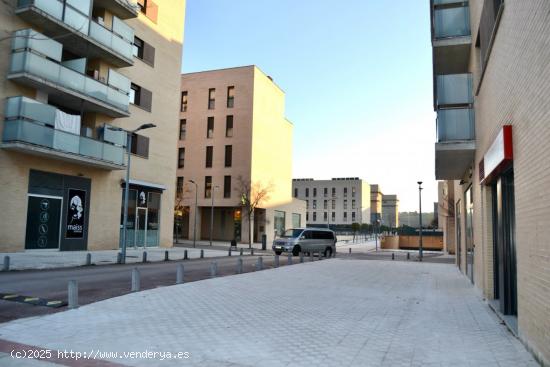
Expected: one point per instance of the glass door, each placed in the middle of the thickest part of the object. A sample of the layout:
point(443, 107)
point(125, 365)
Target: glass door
point(141, 227)
point(43, 222)
point(469, 206)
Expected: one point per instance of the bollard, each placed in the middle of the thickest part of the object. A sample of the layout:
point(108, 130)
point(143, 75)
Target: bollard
point(119, 258)
point(166, 256)
point(229, 252)
point(144, 259)
point(334, 253)
point(320, 255)
point(179, 274)
point(301, 257)
point(202, 254)
point(289, 259)
point(241, 252)
point(260, 263)
point(392, 256)
point(136, 284)
point(6, 263)
point(252, 251)
point(73, 294)
point(213, 269)
point(240, 266)
point(350, 250)
point(276, 261)
point(311, 256)
point(88, 259)
point(408, 255)
point(185, 255)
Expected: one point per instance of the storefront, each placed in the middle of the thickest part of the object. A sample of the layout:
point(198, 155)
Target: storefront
point(497, 173)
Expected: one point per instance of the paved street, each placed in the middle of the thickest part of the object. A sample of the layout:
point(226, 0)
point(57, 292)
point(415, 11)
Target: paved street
point(337, 312)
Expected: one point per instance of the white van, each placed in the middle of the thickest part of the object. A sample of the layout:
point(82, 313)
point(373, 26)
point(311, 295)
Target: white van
point(306, 240)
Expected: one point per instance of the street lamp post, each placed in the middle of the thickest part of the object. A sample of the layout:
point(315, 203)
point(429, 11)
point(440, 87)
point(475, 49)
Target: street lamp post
point(127, 184)
point(195, 219)
point(420, 255)
point(376, 229)
point(212, 212)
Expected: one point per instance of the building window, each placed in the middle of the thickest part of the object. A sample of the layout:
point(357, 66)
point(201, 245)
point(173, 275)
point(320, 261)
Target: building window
point(228, 155)
point(296, 220)
point(325, 216)
point(314, 192)
point(353, 204)
point(345, 216)
point(345, 192)
point(307, 204)
point(227, 187)
point(229, 126)
point(210, 127)
point(183, 101)
point(134, 93)
point(345, 204)
point(315, 216)
point(211, 98)
point(149, 8)
point(141, 97)
point(353, 216)
point(142, 5)
point(179, 185)
point(325, 204)
point(295, 193)
point(209, 156)
point(353, 192)
point(325, 192)
point(183, 129)
point(230, 97)
point(208, 187)
point(143, 51)
point(140, 145)
point(333, 204)
point(333, 217)
point(307, 216)
point(307, 192)
point(181, 157)
point(137, 49)
point(314, 204)
point(333, 192)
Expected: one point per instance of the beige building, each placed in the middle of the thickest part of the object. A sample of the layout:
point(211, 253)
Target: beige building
point(491, 95)
point(335, 202)
point(446, 214)
point(390, 211)
point(71, 74)
point(375, 203)
point(234, 140)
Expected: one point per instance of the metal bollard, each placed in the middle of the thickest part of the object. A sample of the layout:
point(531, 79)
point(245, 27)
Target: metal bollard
point(392, 256)
point(185, 255)
point(252, 251)
point(311, 256)
point(136, 283)
point(276, 261)
point(73, 294)
point(260, 263)
point(289, 259)
point(240, 266)
point(408, 255)
point(350, 250)
point(202, 254)
point(241, 252)
point(213, 269)
point(229, 252)
point(119, 258)
point(88, 259)
point(179, 274)
point(144, 259)
point(6, 266)
point(166, 256)
point(301, 257)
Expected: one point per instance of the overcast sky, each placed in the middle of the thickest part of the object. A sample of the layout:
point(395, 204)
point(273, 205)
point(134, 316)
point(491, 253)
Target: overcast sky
point(357, 77)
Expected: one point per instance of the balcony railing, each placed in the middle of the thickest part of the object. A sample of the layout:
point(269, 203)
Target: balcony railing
point(118, 40)
point(31, 122)
point(452, 22)
point(454, 89)
point(456, 124)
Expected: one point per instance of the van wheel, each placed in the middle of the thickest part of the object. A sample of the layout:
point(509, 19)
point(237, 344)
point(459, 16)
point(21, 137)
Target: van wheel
point(328, 252)
point(296, 250)
point(278, 252)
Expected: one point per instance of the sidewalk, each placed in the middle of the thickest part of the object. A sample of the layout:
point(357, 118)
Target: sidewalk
point(328, 313)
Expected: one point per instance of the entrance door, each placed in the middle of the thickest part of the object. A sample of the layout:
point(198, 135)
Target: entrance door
point(469, 206)
point(43, 222)
point(141, 226)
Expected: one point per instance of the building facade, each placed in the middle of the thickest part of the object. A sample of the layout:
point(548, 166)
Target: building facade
point(390, 211)
point(73, 73)
point(375, 203)
point(446, 214)
point(339, 201)
point(491, 95)
point(234, 140)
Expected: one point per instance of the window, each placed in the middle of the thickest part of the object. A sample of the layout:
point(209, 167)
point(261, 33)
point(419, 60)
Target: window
point(325, 204)
point(353, 192)
point(183, 129)
point(345, 204)
point(307, 204)
point(353, 204)
point(211, 98)
point(179, 185)
point(353, 216)
point(141, 97)
point(183, 101)
point(314, 204)
point(307, 216)
point(325, 216)
point(279, 222)
point(314, 192)
point(333, 204)
point(208, 187)
point(140, 145)
point(181, 157)
point(230, 97)
point(345, 192)
point(134, 93)
point(345, 216)
point(228, 155)
point(325, 192)
point(210, 128)
point(149, 8)
point(296, 220)
point(143, 51)
point(307, 192)
point(209, 155)
point(333, 192)
point(315, 216)
point(142, 5)
point(227, 187)
point(229, 126)
point(333, 217)
point(295, 193)
point(137, 49)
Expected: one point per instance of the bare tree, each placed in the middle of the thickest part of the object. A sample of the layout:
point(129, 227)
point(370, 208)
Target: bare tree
point(252, 195)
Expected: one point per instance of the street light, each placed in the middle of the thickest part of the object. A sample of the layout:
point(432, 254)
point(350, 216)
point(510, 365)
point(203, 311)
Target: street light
point(195, 220)
point(212, 212)
point(376, 229)
point(420, 219)
point(127, 184)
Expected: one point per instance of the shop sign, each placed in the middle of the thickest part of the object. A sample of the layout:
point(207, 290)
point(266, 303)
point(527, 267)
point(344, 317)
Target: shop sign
point(76, 208)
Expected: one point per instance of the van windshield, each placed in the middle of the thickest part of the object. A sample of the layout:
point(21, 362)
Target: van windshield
point(292, 233)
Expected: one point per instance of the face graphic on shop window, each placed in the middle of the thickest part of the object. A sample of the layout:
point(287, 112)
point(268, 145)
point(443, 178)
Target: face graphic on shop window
point(76, 208)
point(142, 200)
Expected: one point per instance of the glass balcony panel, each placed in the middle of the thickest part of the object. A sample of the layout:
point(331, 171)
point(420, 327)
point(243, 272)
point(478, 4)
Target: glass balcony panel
point(91, 148)
point(66, 142)
point(51, 7)
point(41, 67)
point(30, 109)
point(101, 34)
point(96, 89)
point(122, 47)
point(76, 20)
point(452, 22)
point(123, 29)
point(454, 89)
point(82, 5)
point(72, 80)
point(20, 130)
point(455, 124)
point(78, 65)
point(443, 2)
point(113, 154)
point(119, 81)
point(30, 39)
point(118, 99)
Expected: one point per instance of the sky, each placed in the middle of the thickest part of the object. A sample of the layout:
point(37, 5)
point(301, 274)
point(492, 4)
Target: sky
point(357, 76)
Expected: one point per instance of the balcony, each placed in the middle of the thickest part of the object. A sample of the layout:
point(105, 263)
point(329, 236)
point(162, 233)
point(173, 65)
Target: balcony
point(451, 36)
point(36, 62)
point(454, 90)
point(455, 147)
point(80, 34)
point(29, 128)
point(124, 9)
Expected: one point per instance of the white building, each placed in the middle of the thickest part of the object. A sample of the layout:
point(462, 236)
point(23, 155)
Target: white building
point(339, 201)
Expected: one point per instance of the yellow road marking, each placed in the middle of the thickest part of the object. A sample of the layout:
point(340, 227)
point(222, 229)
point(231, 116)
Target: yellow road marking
point(11, 296)
point(53, 303)
point(30, 299)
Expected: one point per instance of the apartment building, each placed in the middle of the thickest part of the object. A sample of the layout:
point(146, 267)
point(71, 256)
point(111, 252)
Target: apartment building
point(335, 202)
point(375, 203)
point(235, 142)
point(77, 76)
point(491, 95)
point(390, 211)
point(445, 214)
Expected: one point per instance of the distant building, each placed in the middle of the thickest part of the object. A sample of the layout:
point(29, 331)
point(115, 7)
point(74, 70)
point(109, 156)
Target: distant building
point(410, 219)
point(390, 211)
point(339, 201)
point(375, 203)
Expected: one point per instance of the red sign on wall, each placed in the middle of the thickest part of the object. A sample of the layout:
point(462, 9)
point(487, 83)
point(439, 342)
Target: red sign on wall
point(498, 157)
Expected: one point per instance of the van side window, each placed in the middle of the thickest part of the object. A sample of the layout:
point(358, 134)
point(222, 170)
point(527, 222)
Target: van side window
point(308, 235)
point(328, 236)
